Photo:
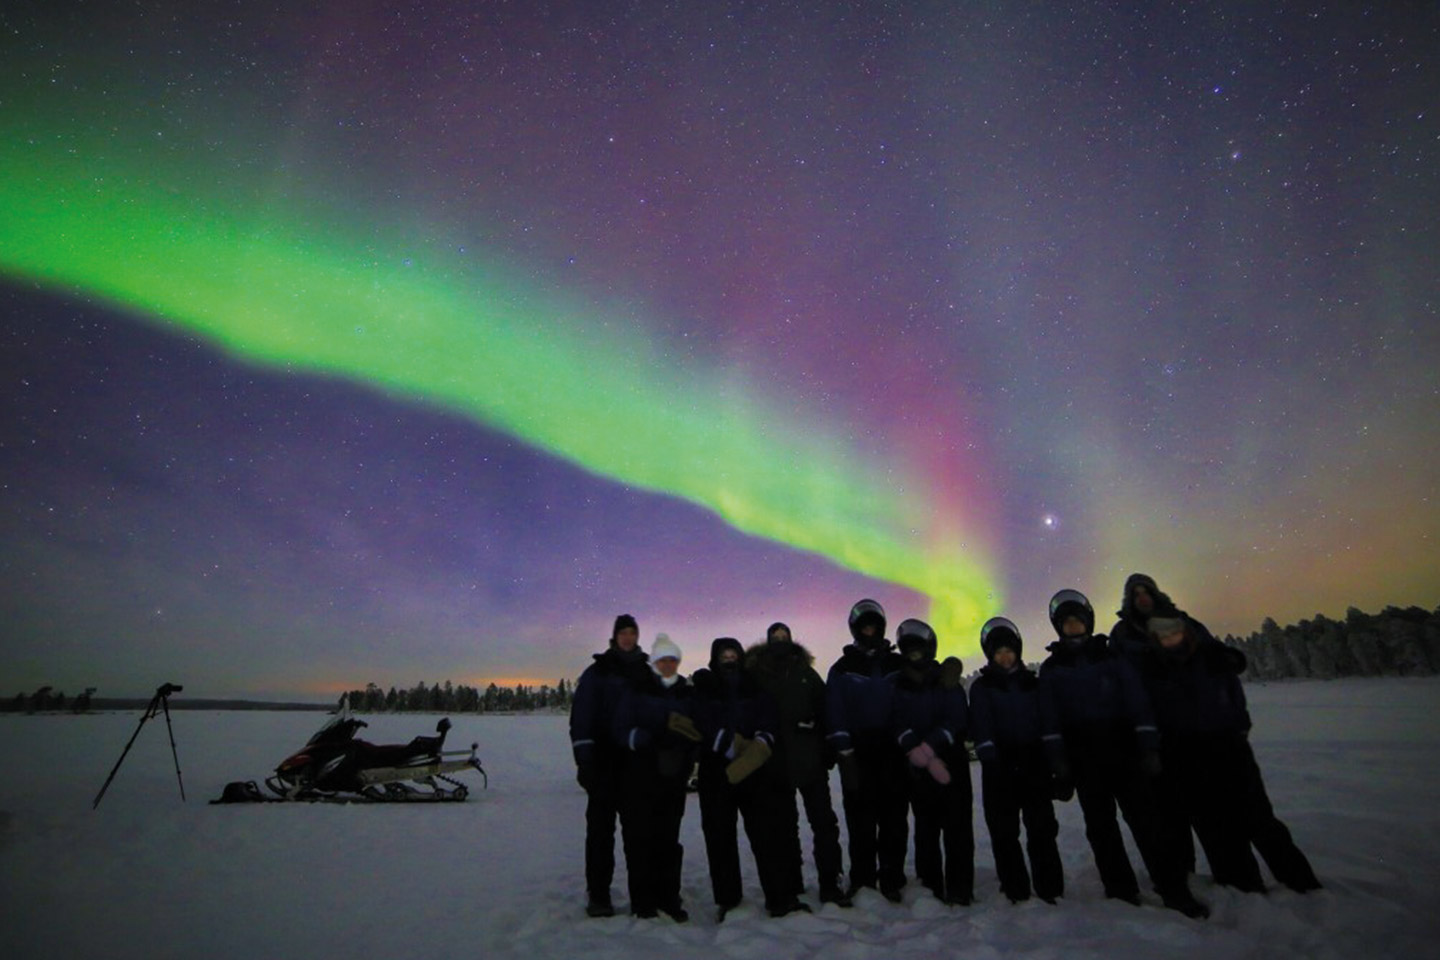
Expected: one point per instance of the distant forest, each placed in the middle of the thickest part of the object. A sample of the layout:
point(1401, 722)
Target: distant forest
point(1396, 642)
point(461, 698)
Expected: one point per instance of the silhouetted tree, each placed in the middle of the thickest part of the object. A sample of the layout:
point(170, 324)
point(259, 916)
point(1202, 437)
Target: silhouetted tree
point(1395, 642)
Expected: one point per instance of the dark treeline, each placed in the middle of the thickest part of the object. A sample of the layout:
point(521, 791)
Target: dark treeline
point(49, 700)
point(462, 698)
point(1397, 642)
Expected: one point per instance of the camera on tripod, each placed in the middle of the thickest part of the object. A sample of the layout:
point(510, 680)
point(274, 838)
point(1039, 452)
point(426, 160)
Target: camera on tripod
point(161, 701)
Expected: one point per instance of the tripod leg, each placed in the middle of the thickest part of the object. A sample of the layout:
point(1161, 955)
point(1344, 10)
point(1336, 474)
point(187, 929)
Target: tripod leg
point(149, 712)
point(173, 753)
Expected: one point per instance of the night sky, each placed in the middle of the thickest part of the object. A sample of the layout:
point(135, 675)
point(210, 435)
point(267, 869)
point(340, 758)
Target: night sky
point(388, 342)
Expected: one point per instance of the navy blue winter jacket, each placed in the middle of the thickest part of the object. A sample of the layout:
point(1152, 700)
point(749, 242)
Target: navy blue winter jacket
point(728, 703)
point(642, 717)
point(1129, 637)
point(598, 696)
point(1005, 712)
point(925, 710)
point(1090, 693)
point(1199, 695)
point(859, 693)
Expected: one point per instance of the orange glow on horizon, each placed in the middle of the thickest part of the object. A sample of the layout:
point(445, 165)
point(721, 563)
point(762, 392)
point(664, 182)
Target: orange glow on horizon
point(333, 688)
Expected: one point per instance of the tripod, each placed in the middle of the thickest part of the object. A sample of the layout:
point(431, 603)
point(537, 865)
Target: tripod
point(161, 701)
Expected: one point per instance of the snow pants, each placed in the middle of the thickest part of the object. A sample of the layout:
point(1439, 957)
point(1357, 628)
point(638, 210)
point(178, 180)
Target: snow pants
point(944, 820)
point(1214, 784)
point(756, 800)
point(1015, 788)
point(641, 827)
point(601, 808)
point(824, 833)
point(1106, 775)
point(876, 816)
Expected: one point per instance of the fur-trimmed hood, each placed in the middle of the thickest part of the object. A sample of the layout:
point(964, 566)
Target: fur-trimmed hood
point(772, 657)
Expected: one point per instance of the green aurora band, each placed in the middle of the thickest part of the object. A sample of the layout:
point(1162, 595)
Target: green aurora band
point(270, 286)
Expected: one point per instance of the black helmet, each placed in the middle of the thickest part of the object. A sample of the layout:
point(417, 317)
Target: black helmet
point(1071, 603)
point(1000, 632)
point(866, 611)
point(913, 635)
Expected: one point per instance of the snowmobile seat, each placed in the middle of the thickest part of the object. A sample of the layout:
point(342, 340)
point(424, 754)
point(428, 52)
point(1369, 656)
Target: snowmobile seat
point(399, 754)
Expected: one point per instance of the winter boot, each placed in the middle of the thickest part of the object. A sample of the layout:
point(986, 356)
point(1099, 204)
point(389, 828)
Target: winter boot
point(785, 909)
point(1184, 901)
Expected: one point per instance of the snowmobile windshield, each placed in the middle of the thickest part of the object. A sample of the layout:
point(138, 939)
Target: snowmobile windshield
point(342, 726)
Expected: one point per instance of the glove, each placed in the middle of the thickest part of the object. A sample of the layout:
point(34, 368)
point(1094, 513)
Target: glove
point(849, 771)
point(1060, 768)
point(938, 770)
point(585, 776)
point(750, 755)
point(1150, 763)
point(921, 755)
point(684, 726)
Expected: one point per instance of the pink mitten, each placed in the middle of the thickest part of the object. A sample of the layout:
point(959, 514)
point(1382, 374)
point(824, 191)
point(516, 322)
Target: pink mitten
point(922, 755)
point(938, 770)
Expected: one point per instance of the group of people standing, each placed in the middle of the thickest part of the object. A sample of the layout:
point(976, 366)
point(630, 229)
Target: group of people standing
point(1151, 719)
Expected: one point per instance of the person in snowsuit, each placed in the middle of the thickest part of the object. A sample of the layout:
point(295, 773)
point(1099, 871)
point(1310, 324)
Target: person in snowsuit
point(1130, 636)
point(598, 760)
point(1210, 778)
point(859, 693)
point(736, 721)
point(1014, 775)
point(1098, 728)
point(655, 731)
point(785, 671)
point(929, 721)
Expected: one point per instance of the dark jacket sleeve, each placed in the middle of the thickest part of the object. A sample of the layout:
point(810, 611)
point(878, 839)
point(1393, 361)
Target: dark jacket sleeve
point(817, 701)
point(982, 721)
point(955, 721)
point(584, 718)
point(640, 716)
point(1050, 728)
point(1227, 663)
point(837, 724)
point(1137, 705)
point(763, 713)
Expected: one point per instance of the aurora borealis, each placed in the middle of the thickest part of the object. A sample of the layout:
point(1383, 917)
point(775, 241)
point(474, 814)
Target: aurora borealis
point(388, 342)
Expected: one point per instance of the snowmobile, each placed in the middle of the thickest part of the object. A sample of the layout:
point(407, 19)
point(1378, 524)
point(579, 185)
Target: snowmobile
point(334, 765)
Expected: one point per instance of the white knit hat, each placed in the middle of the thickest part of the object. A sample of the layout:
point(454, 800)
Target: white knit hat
point(664, 647)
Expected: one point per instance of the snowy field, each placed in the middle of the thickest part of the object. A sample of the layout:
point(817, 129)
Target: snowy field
point(1351, 766)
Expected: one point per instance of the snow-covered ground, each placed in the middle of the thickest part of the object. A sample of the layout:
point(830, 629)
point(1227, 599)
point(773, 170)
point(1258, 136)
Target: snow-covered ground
point(1351, 766)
